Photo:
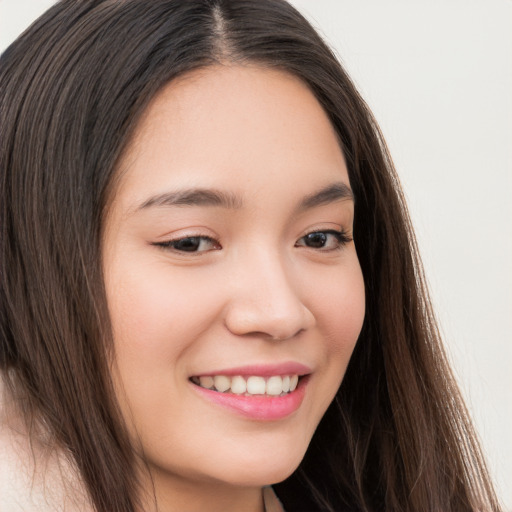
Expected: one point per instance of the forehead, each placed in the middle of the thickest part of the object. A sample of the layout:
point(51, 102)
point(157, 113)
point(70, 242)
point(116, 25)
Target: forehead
point(236, 127)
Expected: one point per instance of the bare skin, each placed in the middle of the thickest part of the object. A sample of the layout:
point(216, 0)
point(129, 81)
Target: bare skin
point(260, 269)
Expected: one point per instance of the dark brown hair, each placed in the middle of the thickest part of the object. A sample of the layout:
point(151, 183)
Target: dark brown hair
point(72, 88)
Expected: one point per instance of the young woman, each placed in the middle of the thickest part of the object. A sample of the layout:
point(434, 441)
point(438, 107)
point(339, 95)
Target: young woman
point(209, 281)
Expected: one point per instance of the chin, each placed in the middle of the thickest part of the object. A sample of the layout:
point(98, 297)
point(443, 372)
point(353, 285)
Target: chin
point(266, 468)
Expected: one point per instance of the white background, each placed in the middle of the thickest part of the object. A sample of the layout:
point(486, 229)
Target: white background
point(438, 76)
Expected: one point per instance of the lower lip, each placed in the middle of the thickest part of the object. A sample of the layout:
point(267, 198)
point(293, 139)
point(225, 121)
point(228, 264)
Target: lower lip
point(258, 407)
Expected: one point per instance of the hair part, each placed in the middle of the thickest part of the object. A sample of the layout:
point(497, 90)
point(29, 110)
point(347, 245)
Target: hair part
point(72, 90)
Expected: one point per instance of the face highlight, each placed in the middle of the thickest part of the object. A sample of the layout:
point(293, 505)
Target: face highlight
point(232, 279)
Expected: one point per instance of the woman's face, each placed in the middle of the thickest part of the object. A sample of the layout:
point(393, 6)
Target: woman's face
point(228, 257)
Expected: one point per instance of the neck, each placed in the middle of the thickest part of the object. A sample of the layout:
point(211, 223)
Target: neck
point(171, 493)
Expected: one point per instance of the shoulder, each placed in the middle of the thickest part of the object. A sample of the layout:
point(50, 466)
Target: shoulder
point(31, 476)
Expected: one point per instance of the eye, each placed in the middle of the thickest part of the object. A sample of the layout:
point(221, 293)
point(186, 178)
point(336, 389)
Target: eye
point(191, 244)
point(327, 240)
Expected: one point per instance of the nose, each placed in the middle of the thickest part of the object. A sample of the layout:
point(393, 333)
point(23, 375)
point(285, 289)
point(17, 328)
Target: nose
point(266, 302)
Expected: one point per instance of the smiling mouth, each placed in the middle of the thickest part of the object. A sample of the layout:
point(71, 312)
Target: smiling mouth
point(254, 385)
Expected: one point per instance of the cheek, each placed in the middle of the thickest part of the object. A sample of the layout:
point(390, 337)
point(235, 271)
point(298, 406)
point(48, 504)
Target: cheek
point(157, 318)
point(345, 316)
point(340, 309)
point(155, 313)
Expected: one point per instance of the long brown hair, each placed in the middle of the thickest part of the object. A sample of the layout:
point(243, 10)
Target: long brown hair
point(72, 88)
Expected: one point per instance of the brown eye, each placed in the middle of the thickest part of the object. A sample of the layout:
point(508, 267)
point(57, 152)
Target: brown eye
point(324, 240)
point(191, 244)
point(316, 240)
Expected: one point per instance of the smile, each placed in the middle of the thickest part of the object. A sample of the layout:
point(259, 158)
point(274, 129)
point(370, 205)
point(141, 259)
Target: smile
point(274, 385)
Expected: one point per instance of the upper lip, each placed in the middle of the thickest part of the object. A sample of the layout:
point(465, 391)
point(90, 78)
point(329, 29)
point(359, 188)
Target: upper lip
point(263, 370)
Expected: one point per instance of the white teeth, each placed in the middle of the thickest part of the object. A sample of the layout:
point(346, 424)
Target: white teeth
point(286, 384)
point(238, 385)
point(256, 386)
point(275, 385)
point(206, 382)
point(222, 383)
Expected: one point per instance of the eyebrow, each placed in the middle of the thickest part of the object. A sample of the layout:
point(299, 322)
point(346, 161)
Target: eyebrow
point(212, 197)
point(196, 197)
point(330, 194)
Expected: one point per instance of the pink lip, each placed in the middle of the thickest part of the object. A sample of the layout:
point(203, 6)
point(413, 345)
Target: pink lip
point(258, 407)
point(263, 370)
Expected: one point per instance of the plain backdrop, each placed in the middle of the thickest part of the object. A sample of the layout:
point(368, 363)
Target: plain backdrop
point(438, 77)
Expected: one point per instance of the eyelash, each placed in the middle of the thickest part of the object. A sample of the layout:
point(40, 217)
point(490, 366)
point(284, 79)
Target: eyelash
point(171, 244)
point(341, 237)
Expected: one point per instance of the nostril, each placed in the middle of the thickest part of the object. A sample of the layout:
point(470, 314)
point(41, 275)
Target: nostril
point(286, 337)
point(250, 319)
